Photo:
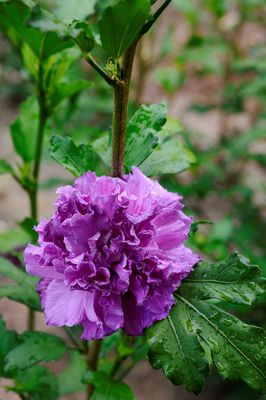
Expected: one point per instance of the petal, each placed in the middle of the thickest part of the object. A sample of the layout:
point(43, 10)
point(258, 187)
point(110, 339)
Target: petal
point(34, 261)
point(63, 306)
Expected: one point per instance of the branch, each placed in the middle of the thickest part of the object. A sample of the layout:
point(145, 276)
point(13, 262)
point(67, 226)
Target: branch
point(154, 18)
point(100, 70)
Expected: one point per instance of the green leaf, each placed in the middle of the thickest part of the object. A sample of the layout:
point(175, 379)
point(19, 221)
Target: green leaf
point(12, 239)
point(7, 343)
point(141, 133)
point(233, 280)
point(24, 129)
point(23, 294)
point(58, 35)
point(69, 10)
point(76, 159)
point(106, 388)
point(5, 167)
point(16, 14)
point(37, 347)
point(70, 379)
point(170, 156)
point(16, 274)
point(63, 90)
point(174, 347)
point(238, 350)
point(121, 24)
point(37, 382)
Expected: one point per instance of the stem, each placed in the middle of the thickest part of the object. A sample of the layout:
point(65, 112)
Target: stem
point(33, 191)
point(92, 362)
point(99, 69)
point(156, 15)
point(121, 91)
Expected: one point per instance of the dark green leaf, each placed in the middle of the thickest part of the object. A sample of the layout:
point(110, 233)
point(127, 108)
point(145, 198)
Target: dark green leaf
point(76, 159)
point(70, 379)
point(233, 280)
point(141, 133)
point(24, 129)
point(69, 10)
point(174, 347)
point(238, 350)
point(5, 167)
point(106, 388)
point(121, 23)
point(37, 347)
point(170, 156)
point(37, 382)
point(7, 343)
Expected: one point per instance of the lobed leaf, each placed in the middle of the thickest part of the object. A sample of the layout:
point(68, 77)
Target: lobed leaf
point(174, 346)
point(238, 350)
point(196, 326)
point(36, 347)
point(37, 382)
point(76, 159)
point(233, 280)
point(141, 133)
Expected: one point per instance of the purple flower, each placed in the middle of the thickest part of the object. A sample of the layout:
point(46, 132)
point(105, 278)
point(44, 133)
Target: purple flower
point(111, 255)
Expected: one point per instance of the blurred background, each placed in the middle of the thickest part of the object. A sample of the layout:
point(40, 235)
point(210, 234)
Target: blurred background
point(207, 59)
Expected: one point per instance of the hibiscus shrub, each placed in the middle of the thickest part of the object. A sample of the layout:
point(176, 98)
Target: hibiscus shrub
point(113, 265)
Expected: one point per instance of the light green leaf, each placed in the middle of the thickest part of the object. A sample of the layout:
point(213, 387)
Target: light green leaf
point(233, 280)
point(24, 129)
point(141, 133)
point(121, 24)
point(106, 388)
point(69, 379)
point(171, 156)
point(5, 167)
point(63, 90)
point(76, 159)
point(12, 239)
point(69, 10)
point(36, 347)
point(23, 294)
point(16, 274)
point(238, 350)
point(174, 346)
point(38, 382)
point(16, 14)
point(59, 35)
